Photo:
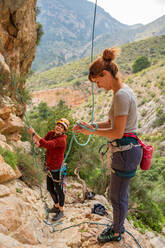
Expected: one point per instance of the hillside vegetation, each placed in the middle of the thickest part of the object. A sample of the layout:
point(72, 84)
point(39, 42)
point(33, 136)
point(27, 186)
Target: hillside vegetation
point(76, 72)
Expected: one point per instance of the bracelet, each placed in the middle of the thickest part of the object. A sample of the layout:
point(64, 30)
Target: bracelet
point(33, 134)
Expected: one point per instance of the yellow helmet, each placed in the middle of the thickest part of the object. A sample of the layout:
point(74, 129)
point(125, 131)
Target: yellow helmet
point(64, 122)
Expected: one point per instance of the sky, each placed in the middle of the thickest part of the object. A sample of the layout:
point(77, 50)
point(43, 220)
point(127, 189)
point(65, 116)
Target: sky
point(133, 11)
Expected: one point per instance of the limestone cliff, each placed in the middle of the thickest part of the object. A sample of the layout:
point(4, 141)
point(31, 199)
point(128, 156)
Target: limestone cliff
point(18, 33)
point(17, 50)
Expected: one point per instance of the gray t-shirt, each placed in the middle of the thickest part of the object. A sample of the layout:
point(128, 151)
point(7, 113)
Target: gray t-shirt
point(124, 103)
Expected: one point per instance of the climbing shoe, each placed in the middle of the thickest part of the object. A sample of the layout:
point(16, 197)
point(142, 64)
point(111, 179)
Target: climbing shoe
point(109, 229)
point(53, 210)
point(58, 215)
point(108, 237)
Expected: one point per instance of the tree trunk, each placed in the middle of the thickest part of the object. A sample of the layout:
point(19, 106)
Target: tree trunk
point(76, 172)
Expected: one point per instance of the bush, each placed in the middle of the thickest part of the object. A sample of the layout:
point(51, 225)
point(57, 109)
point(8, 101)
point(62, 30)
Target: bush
point(32, 171)
point(140, 64)
point(9, 157)
point(40, 33)
point(25, 96)
point(160, 117)
point(147, 190)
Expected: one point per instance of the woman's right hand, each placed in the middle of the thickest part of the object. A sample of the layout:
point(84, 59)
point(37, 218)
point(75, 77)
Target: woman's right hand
point(31, 130)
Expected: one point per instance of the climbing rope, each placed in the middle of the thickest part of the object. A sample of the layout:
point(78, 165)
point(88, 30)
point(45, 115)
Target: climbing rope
point(92, 87)
point(90, 223)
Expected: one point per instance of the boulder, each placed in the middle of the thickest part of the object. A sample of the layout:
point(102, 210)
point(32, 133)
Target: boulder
point(2, 138)
point(5, 146)
point(5, 112)
point(2, 123)
point(24, 146)
point(6, 172)
point(4, 191)
point(12, 125)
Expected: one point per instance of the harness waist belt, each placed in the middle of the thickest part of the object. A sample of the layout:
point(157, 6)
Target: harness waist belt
point(122, 148)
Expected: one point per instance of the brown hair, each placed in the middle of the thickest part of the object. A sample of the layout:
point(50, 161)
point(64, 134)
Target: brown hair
point(104, 62)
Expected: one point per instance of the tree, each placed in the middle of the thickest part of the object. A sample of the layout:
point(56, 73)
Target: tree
point(40, 33)
point(43, 111)
point(140, 64)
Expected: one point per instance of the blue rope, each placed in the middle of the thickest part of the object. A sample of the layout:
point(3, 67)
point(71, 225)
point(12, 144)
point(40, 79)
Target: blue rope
point(90, 223)
point(92, 86)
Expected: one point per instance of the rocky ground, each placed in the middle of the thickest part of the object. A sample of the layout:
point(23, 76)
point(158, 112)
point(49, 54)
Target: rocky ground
point(22, 218)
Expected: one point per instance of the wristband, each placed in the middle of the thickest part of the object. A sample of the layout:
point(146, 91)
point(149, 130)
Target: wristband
point(33, 134)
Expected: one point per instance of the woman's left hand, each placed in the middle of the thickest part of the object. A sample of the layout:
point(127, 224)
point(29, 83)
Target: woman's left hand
point(80, 129)
point(37, 144)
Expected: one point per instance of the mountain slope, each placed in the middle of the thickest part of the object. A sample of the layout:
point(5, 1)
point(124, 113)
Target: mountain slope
point(76, 72)
point(68, 31)
point(154, 28)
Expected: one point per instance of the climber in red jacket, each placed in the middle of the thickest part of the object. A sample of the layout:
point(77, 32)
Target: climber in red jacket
point(55, 143)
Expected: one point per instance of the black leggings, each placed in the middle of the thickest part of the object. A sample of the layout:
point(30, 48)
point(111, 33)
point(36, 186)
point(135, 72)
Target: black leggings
point(55, 190)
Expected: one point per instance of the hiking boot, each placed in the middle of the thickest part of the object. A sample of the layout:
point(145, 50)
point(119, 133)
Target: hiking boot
point(108, 237)
point(58, 216)
point(109, 229)
point(53, 210)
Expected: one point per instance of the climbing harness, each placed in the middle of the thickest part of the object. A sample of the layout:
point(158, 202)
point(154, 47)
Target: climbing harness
point(62, 174)
point(112, 147)
point(50, 175)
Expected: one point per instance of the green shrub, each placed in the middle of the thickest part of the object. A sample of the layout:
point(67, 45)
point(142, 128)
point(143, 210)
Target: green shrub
point(9, 157)
point(25, 96)
point(77, 83)
point(147, 190)
point(143, 113)
point(139, 124)
point(32, 171)
point(140, 64)
point(151, 215)
point(40, 33)
point(160, 117)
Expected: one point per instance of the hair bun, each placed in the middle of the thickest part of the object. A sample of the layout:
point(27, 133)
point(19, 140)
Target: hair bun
point(110, 53)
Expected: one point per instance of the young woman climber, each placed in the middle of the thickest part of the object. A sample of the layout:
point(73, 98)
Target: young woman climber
point(126, 152)
point(55, 144)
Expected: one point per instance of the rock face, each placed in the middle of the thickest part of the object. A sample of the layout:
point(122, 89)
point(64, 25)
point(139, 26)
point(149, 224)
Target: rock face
point(18, 37)
point(22, 214)
point(18, 33)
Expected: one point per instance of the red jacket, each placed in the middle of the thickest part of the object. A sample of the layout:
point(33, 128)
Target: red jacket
point(55, 146)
